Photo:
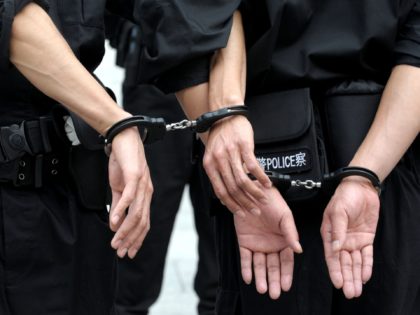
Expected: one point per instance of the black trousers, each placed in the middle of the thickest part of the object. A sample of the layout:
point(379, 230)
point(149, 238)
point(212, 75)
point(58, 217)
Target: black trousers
point(394, 288)
point(171, 169)
point(55, 256)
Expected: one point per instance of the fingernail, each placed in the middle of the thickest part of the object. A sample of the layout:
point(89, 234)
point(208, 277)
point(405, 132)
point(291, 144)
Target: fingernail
point(287, 282)
point(298, 247)
point(268, 185)
point(116, 244)
point(122, 252)
point(115, 219)
point(133, 253)
point(255, 211)
point(336, 245)
point(240, 213)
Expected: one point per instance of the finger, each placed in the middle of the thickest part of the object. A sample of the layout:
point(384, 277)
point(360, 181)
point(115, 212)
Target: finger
point(221, 192)
point(260, 272)
point(115, 198)
point(130, 228)
point(234, 190)
point(273, 273)
point(287, 261)
point(145, 225)
point(254, 167)
point(123, 203)
point(347, 270)
point(246, 264)
point(243, 180)
point(367, 263)
point(332, 258)
point(288, 228)
point(128, 231)
point(138, 239)
point(339, 223)
point(356, 257)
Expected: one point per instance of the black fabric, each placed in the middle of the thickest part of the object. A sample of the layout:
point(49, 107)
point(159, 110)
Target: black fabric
point(55, 257)
point(201, 27)
point(306, 42)
point(347, 112)
point(408, 43)
point(171, 169)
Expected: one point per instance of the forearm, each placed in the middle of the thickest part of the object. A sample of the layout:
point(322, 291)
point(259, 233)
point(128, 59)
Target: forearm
point(227, 78)
point(228, 70)
point(396, 124)
point(42, 55)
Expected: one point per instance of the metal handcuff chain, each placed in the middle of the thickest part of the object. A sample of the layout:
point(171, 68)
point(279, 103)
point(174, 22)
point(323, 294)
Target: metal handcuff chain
point(154, 129)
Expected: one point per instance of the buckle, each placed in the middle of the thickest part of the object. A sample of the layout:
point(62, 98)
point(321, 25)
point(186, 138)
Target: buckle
point(13, 142)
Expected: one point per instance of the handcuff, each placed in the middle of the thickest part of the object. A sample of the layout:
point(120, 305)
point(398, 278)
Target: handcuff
point(328, 182)
point(153, 129)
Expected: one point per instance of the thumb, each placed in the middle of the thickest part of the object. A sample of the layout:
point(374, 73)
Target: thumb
point(288, 228)
point(339, 224)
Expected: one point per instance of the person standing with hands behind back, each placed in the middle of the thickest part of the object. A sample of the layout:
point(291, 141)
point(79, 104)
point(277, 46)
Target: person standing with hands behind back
point(55, 253)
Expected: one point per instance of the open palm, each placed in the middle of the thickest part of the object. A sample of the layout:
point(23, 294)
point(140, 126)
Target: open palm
point(266, 243)
point(348, 231)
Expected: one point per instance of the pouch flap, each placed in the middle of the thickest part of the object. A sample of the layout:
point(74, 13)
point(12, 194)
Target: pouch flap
point(280, 116)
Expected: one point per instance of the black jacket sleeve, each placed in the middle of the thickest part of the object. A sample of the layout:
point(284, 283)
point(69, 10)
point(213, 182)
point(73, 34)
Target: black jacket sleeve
point(407, 49)
point(8, 10)
point(179, 38)
point(123, 8)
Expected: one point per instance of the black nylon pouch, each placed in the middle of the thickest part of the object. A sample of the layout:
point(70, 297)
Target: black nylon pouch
point(89, 169)
point(287, 138)
point(348, 110)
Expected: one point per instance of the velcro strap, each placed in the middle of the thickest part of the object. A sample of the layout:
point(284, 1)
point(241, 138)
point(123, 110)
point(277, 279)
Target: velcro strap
point(38, 135)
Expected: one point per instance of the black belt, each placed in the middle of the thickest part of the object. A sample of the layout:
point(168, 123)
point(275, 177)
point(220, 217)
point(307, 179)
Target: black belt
point(29, 152)
point(33, 137)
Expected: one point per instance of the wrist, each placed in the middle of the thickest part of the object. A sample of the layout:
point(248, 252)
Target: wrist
point(112, 119)
point(227, 101)
point(366, 183)
point(353, 174)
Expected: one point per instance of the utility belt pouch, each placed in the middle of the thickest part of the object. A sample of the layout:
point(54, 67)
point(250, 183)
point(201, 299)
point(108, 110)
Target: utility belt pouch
point(89, 169)
point(348, 110)
point(287, 138)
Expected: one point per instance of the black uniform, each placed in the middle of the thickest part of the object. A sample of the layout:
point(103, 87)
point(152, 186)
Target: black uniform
point(172, 166)
point(55, 254)
point(326, 46)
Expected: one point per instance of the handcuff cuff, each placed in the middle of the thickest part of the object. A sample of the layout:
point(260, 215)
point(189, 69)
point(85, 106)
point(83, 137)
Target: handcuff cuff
point(153, 129)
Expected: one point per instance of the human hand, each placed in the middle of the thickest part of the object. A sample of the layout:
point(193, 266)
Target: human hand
point(132, 188)
point(267, 243)
point(348, 230)
point(229, 155)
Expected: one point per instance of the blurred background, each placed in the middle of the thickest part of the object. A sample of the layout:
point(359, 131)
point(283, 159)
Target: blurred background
point(177, 296)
